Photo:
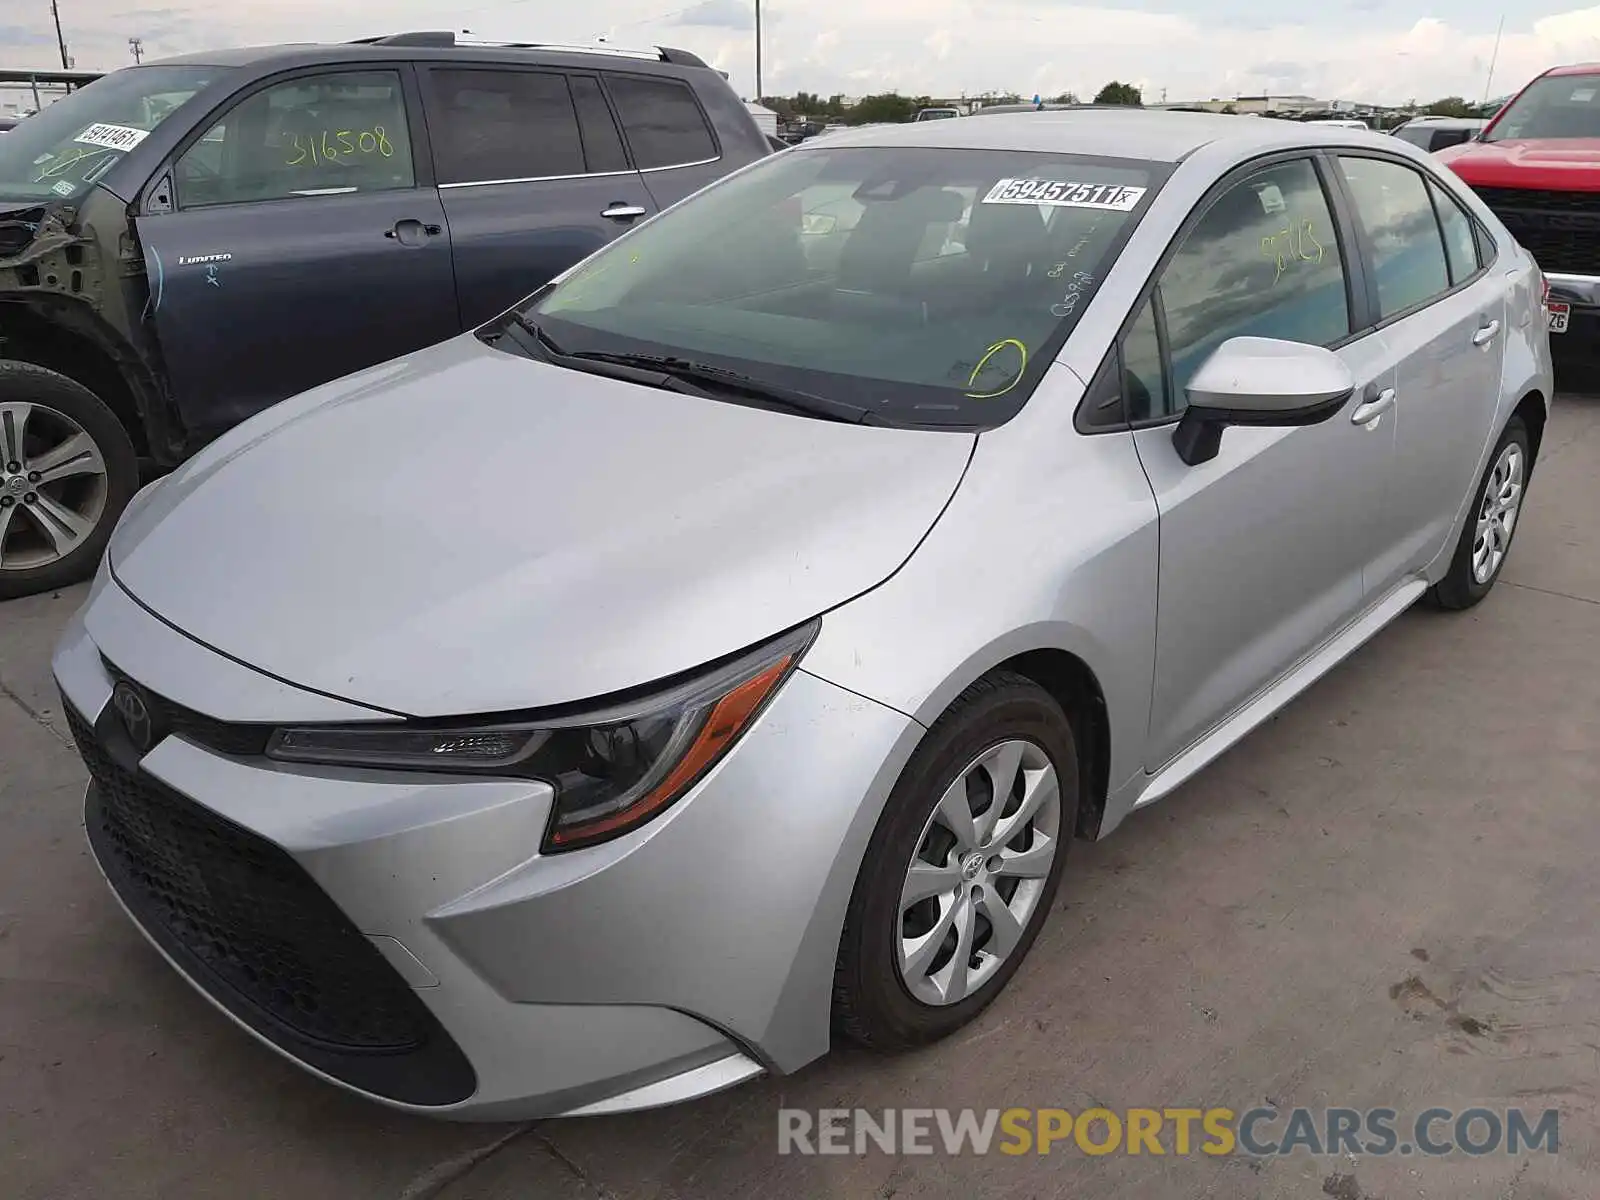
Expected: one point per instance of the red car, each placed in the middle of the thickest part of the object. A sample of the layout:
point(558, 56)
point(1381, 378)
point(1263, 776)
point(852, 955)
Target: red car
point(1537, 165)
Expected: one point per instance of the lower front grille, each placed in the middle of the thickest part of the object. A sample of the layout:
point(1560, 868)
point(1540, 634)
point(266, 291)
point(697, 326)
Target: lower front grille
point(254, 931)
point(1560, 229)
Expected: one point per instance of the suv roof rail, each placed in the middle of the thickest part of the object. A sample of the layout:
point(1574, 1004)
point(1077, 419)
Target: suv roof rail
point(447, 38)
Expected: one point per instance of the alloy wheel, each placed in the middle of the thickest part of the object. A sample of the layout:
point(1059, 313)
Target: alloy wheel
point(1497, 513)
point(979, 872)
point(53, 486)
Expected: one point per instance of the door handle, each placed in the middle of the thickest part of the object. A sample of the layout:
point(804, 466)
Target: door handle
point(1486, 333)
point(409, 228)
point(620, 211)
point(1368, 412)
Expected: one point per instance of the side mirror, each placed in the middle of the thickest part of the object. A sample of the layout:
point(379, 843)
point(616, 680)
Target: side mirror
point(1259, 381)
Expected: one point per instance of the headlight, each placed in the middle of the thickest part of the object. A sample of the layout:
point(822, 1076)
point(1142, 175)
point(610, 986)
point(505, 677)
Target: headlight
point(612, 769)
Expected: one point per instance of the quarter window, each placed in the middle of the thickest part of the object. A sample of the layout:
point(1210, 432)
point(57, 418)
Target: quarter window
point(1263, 261)
point(1144, 381)
point(317, 135)
point(663, 122)
point(504, 125)
point(1408, 254)
point(1460, 244)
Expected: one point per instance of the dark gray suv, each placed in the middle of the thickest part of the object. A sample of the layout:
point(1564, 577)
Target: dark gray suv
point(187, 242)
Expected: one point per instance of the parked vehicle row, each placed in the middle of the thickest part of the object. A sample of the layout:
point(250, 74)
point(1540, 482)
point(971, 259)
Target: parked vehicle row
point(185, 243)
point(813, 564)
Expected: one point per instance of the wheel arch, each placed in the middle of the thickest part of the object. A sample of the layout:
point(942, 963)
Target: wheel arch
point(1534, 409)
point(75, 344)
point(1072, 683)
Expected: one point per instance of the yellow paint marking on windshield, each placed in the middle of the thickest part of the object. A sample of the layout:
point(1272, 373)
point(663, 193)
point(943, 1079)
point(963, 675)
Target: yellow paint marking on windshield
point(1295, 242)
point(984, 361)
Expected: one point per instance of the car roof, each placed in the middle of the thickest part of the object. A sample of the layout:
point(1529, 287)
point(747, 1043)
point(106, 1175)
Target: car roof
point(300, 54)
point(1110, 133)
point(1576, 69)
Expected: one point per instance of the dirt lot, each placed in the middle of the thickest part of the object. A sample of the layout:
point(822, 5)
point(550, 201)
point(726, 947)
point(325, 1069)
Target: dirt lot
point(1386, 897)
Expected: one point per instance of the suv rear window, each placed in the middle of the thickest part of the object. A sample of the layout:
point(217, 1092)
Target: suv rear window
point(662, 121)
point(928, 285)
point(502, 125)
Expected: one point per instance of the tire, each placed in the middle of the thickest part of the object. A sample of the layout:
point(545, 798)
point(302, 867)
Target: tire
point(57, 408)
point(876, 1002)
point(1462, 586)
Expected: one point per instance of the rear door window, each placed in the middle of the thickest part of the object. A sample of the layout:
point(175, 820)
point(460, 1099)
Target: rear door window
point(314, 135)
point(492, 126)
point(1460, 243)
point(662, 120)
point(1408, 255)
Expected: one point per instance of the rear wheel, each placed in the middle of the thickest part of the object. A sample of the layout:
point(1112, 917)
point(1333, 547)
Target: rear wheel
point(959, 876)
point(67, 470)
point(1486, 536)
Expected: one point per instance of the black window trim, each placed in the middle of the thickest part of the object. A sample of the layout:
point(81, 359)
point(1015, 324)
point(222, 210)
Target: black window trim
point(607, 75)
point(631, 167)
point(421, 149)
point(1366, 244)
point(1354, 264)
point(433, 103)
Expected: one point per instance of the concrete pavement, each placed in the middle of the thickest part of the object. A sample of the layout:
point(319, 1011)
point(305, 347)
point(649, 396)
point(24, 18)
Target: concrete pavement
point(1386, 896)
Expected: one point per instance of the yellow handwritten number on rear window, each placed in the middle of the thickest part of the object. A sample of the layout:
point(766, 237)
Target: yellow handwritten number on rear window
point(983, 362)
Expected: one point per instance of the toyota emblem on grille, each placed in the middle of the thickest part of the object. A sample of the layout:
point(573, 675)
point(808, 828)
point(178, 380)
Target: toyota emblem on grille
point(135, 714)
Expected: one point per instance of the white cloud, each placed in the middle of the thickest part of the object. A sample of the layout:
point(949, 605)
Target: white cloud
point(1195, 49)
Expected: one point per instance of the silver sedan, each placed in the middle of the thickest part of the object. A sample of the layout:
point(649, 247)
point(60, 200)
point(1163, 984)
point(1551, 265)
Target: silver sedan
point(721, 650)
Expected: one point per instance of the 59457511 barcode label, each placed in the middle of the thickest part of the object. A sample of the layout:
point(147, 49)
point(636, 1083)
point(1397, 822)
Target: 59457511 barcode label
point(1055, 192)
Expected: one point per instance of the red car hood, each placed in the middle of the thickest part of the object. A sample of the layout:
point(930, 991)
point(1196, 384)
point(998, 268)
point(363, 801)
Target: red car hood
point(1549, 164)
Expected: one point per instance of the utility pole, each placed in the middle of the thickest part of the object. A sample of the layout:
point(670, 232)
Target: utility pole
point(66, 63)
point(137, 46)
point(758, 51)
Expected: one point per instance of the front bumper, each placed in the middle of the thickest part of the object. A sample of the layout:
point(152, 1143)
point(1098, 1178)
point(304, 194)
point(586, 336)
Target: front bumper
point(1581, 341)
point(401, 936)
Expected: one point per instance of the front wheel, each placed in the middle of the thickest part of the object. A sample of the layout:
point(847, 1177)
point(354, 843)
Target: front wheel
point(67, 470)
point(1486, 536)
point(959, 875)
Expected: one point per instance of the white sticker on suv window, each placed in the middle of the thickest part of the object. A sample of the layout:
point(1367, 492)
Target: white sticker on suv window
point(1583, 95)
point(112, 137)
point(1058, 194)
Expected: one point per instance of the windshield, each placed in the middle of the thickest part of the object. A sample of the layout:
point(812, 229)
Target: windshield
point(64, 148)
point(926, 286)
point(1557, 106)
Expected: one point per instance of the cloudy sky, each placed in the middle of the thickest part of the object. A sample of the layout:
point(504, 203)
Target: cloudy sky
point(1374, 50)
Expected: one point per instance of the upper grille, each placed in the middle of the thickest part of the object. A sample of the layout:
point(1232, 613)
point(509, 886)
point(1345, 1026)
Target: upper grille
point(225, 737)
point(1560, 229)
point(246, 922)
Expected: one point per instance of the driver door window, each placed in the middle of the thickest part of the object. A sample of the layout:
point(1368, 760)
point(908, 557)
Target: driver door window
point(316, 135)
point(1263, 261)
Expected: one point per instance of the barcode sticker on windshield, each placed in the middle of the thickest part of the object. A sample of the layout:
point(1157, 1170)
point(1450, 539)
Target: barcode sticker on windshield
point(1583, 95)
point(1058, 194)
point(112, 137)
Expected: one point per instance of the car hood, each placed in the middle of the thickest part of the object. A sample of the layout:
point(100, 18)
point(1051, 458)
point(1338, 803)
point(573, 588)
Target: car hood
point(1561, 164)
point(468, 531)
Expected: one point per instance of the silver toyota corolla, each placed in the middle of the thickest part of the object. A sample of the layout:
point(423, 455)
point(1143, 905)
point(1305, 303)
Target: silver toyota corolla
point(723, 648)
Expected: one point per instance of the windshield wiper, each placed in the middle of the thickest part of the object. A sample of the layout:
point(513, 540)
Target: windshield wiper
point(543, 347)
point(808, 403)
